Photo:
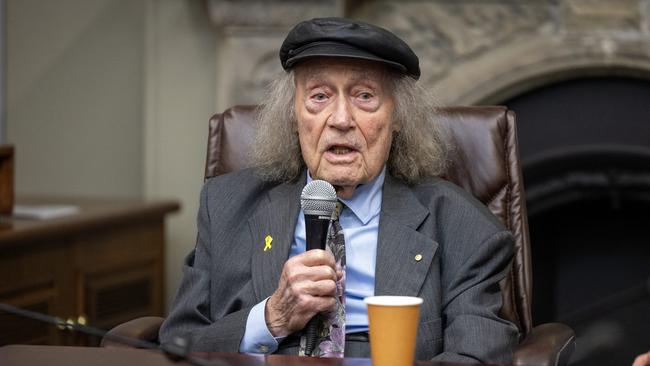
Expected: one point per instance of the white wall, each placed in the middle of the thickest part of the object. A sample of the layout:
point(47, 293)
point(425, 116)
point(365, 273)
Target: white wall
point(74, 96)
point(111, 98)
point(180, 94)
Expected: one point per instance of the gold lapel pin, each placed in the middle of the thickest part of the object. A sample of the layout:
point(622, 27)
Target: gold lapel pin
point(418, 257)
point(268, 240)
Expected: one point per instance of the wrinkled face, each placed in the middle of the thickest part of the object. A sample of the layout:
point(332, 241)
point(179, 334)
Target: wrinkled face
point(344, 109)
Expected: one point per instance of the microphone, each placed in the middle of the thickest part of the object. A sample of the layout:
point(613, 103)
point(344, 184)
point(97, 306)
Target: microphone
point(318, 201)
point(178, 350)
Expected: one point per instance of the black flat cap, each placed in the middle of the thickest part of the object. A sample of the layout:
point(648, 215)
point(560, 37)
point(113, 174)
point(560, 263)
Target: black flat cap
point(338, 37)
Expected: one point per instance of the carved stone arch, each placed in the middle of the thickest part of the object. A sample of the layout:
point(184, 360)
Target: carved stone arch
point(492, 80)
point(483, 52)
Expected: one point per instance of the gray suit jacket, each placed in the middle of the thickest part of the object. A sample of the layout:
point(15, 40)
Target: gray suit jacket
point(465, 252)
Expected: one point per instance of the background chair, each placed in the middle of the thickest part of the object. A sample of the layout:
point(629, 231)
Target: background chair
point(484, 161)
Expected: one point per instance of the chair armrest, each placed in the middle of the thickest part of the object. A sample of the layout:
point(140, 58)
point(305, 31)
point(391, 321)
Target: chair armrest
point(144, 329)
point(549, 344)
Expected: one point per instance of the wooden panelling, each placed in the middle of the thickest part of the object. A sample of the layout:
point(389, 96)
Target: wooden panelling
point(6, 179)
point(112, 298)
point(30, 266)
point(102, 266)
point(16, 329)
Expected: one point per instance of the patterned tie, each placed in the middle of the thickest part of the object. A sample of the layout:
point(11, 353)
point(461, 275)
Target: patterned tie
point(331, 330)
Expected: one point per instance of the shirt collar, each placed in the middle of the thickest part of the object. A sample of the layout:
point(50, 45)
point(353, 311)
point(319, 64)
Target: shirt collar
point(366, 199)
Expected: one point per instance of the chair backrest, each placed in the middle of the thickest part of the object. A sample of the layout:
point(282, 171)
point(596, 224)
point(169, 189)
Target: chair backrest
point(484, 161)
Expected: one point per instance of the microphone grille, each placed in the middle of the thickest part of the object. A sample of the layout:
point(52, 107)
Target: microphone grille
point(318, 198)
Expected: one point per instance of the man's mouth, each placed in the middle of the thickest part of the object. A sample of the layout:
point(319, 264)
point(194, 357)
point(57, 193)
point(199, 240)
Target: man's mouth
point(340, 150)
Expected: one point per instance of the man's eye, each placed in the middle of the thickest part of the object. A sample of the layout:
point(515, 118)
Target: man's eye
point(319, 97)
point(365, 96)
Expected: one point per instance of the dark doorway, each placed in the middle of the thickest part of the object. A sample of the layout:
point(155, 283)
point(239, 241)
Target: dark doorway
point(585, 146)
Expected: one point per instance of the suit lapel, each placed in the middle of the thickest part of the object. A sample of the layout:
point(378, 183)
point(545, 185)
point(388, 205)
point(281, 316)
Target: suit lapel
point(403, 254)
point(397, 272)
point(275, 217)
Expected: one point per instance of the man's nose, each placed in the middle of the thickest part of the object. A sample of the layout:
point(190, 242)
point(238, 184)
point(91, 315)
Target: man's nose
point(341, 118)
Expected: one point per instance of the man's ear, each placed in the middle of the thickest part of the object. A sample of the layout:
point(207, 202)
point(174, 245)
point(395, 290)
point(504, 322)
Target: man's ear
point(397, 127)
point(292, 115)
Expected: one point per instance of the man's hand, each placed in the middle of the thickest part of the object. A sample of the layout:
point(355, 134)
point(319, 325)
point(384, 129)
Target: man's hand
point(307, 287)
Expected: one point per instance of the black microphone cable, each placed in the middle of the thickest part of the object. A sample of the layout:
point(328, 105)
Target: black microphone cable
point(177, 351)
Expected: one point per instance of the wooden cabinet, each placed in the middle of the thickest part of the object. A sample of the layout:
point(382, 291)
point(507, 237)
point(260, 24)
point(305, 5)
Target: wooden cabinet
point(101, 266)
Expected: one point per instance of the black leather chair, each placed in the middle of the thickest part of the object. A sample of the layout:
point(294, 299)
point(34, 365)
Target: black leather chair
point(484, 161)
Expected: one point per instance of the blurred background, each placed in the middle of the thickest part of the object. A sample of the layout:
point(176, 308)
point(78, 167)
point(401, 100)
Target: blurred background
point(109, 100)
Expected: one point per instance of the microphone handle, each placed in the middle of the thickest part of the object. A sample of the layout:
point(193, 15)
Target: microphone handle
point(316, 227)
point(316, 231)
point(311, 334)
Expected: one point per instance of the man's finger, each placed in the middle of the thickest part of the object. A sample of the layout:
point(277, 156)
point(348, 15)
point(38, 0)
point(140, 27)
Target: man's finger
point(316, 257)
point(296, 273)
point(321, 273)
point(320, 288)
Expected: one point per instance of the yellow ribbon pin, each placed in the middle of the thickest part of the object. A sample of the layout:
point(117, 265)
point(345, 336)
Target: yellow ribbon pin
point(268, 240)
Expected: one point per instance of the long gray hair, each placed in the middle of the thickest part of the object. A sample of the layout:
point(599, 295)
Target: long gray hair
point(418, 150)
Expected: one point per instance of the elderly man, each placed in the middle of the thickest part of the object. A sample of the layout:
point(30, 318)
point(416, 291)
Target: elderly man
point(347, 111)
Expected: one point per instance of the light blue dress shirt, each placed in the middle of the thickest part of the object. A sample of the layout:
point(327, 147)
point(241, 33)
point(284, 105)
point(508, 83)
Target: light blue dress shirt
point(360, 223)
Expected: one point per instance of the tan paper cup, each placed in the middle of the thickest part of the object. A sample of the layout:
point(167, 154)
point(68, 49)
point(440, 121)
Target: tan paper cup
point(393, 323)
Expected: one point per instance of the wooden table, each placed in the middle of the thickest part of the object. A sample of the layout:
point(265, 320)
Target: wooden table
point(93, 356)
point(103, 265)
